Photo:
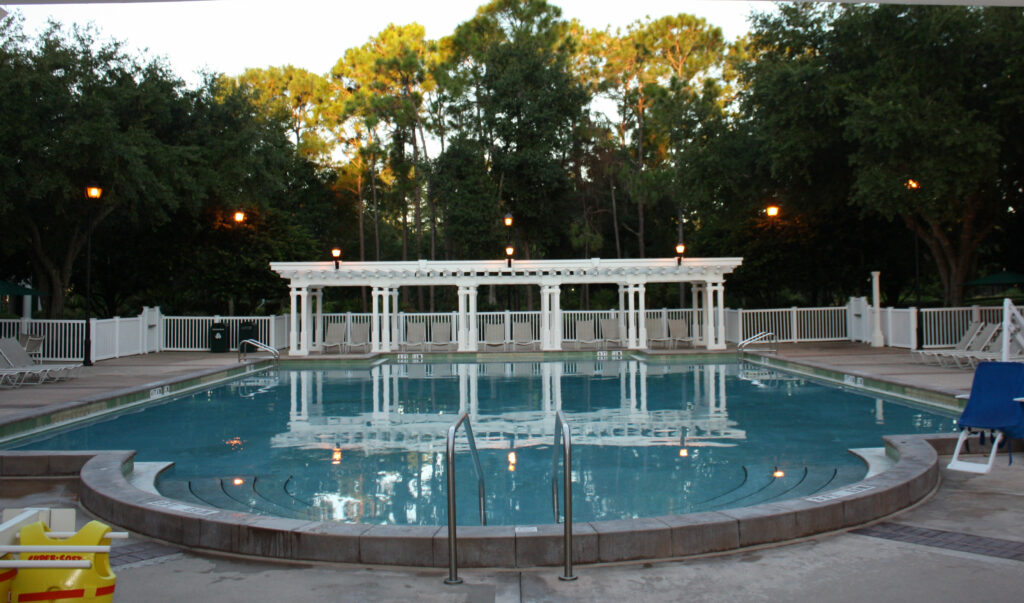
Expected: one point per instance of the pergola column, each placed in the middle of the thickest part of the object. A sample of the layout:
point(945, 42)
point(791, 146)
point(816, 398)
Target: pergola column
point(385, 304)
point(636, 330)
point(467, 318)
point(318, 321)
point(304, 326)
point(550, 317)
point(716, 337)
point(293, 321)
point(698, 329)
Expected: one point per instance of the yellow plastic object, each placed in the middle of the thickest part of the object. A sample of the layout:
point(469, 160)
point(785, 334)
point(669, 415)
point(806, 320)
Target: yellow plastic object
point(60, 584)
point(6, 577)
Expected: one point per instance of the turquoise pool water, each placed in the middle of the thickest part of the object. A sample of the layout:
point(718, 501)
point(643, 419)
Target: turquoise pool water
point(368, 445)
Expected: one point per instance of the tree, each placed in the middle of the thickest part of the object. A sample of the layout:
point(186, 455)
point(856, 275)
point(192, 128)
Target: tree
point(891, 94)
point(77, 111)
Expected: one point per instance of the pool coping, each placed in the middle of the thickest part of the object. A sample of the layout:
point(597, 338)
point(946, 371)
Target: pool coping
point(107, 493)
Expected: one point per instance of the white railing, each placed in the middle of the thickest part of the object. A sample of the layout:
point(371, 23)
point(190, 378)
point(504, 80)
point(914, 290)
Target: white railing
point(152, 332)
point(791, 325)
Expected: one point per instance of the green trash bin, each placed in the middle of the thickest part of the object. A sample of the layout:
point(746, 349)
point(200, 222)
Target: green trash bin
point(247, 330)
point(219, 339)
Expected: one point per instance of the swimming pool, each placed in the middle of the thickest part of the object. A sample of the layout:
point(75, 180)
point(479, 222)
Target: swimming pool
point(367, 444)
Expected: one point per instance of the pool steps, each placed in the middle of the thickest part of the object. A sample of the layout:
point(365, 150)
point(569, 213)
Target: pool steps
point(107, 493)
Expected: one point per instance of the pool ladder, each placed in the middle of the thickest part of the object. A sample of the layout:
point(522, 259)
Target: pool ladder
point(766, 337)
point(563, 440)
point(259, 345)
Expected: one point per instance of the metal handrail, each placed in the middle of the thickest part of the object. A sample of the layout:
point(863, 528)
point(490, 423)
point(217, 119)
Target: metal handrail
point(762, 336)
point(563, 437)
point(453, 552)
point(259, 345)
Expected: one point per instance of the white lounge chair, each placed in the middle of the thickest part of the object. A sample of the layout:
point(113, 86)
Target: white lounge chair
point(585, 334)
point(360, 336)
point(978, 344)
point(335, 337)
point(610, 331)
point(494, 335)
point(17, 358)
point(679, 332)
point(440, 335)
point(415, 335)
point(932, 354)
point(522, 335)
point(656, 332)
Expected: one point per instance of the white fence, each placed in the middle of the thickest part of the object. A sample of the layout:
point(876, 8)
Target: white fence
point(150, 331)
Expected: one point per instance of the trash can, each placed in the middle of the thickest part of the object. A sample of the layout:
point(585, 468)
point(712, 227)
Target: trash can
point(219, 341)
point(246, 330)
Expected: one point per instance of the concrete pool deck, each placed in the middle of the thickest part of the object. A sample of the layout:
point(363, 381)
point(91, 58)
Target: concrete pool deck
point(966, 540)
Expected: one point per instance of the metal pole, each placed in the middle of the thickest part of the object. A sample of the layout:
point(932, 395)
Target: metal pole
point(453, 572)
point(87, 355)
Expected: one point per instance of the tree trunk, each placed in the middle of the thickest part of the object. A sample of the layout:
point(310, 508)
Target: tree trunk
point(952, 259)
point(615, 224)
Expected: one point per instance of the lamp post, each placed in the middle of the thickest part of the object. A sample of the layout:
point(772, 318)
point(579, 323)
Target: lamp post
point(680, 250)
point(336, 254)
point(93, 192)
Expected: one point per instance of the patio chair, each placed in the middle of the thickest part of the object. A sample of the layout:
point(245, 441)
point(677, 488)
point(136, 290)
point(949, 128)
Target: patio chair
point(679, 332)
point(993, 405)
point(585, 334)
point(33, 345)
point(440, 335)
point(994, 351)
point(522, 335)
point(494, 335)
point(415, 335)
point(610, 331)
point(335, 337)
point(656, 332)
point(932, 354)
point(360, 336)
point(978, 344)
point(17, 358)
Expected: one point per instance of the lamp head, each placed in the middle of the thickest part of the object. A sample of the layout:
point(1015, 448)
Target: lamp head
point(771, 211)
point(508, 219)
point(239, 216)
point(93, 191)
point(336, 253)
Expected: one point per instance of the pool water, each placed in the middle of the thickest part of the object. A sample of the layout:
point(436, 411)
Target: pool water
point(367, 445)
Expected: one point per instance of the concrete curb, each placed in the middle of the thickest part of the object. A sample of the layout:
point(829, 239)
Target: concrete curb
point(106, 492)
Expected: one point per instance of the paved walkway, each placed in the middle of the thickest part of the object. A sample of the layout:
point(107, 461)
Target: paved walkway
point(965, 543)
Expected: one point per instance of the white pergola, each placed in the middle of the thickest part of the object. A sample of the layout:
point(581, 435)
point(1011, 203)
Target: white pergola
point(308, 280)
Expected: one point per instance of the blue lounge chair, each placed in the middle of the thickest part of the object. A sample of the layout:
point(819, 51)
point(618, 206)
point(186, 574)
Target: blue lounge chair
point(994, 405)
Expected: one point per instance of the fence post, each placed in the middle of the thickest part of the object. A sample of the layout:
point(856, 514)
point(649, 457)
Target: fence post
point(793, 331)
point(975, 314)
point(914, 335)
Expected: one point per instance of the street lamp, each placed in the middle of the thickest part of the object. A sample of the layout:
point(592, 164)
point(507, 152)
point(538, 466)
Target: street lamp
point(336, 254)
point(508, 219)
point(771, 211)
point(239, 217)
point(509, 251)
point(680, 250)
point(93, 192)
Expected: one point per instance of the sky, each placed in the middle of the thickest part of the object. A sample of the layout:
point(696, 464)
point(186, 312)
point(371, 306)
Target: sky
point(227, 36)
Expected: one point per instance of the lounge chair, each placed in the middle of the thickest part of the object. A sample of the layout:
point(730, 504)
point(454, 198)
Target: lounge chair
point(494, 335)
point(335, 337)
point(360, 336)
point(679, 332)
point(994, 352)
point(932, 354)
point(522, 334)
point(610, 331)
point(415, 335)
point(656, 332)
point(18, 359)
point(993, 405)
point(585, 334)
point(440, 334)
point(978, 344)
point(33, 345)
